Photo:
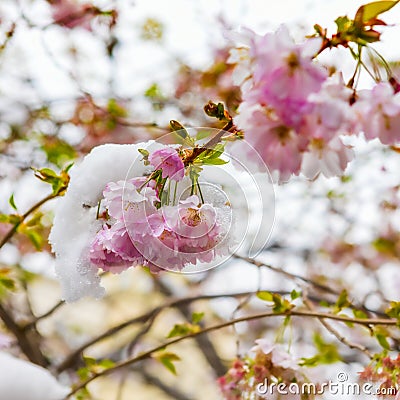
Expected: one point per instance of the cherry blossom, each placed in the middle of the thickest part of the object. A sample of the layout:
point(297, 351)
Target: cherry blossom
point(71, 13)
point(379, 113)
point(169, 162)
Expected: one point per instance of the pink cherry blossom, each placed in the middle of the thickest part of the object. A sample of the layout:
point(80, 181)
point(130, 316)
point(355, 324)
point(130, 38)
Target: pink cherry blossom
point(192, 233)
point(169, 161)
point(118, 195)
point(278, 144)
point(284, 74)
point(378, 112)
point(71, 13)
point(112, 250)
point(329, 158)
point(280, 357)
point(330, 111)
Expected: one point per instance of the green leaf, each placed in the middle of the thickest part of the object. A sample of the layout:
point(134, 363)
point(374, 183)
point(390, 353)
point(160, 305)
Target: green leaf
point(7, 283)
point(181, 133)
point(35, 237)
point(265, 296)
point(202, 135)
point(83, 394)
point(167, 359)
point(372, 10)
point(384, 245)
point(182, 330)
point(115, 109)
point(327, 353)
point(360, 314)
point(10, 219)
point(342, 302)
point(394, 310)
point(89, 361)
point(59, 183)
point(281, 305)
point(343, 23)
point(143, 152)
point(294, 294)
point(197, 317)
point(382, 340)
point(58, 151)
point(214, 161)
point(12, 202)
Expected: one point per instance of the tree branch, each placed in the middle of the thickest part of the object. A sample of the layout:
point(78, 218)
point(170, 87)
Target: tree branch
point(28, 341)
point(71, 359)
point(294, 313)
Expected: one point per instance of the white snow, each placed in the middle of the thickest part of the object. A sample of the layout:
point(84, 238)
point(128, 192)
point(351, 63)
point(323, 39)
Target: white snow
point(75, 221)
point(22, 380)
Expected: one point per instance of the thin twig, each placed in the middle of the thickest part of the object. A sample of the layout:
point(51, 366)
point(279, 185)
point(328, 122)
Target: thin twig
point(45, 315)
point(294, 313)
point(70, 360)
point(335, 332)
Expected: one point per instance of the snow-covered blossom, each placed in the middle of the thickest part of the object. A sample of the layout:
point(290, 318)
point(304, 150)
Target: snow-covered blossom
point(116, 214)
point(112, 250)
point(169, 161)
point(75, 224)
point(167, 238)
point(378, 112)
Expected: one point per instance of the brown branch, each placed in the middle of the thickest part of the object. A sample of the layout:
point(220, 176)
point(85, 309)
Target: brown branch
point(317, 285)
point(45, 315)
point(336, 333)
point(71, 359)
point(294, 313)
point(28, 341)
point(290, 275)
point(210, 144)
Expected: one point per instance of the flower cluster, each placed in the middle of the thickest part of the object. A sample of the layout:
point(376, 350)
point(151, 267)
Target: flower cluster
point(144, 224)
point(385, 372)
point(271, 363)
point(295, 113)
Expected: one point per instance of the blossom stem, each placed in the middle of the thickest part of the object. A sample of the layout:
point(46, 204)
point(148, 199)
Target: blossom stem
point(200, 193)
point(210, 144)
point(176, 187)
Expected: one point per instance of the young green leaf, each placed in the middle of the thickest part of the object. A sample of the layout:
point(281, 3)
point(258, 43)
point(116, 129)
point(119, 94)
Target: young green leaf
point(12, 202)
point(265, 296)
point(197, 317)
point(371, 11)
point(168, 359)
point(183, 329)
point(327, 353)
